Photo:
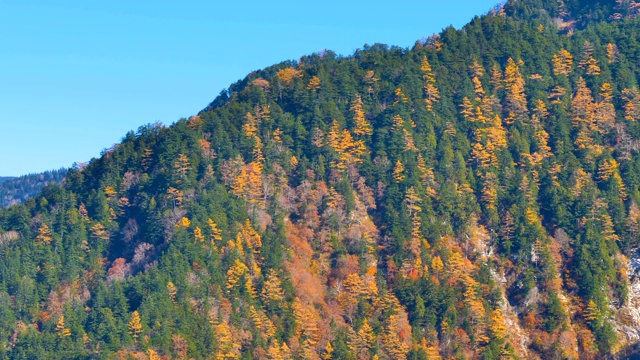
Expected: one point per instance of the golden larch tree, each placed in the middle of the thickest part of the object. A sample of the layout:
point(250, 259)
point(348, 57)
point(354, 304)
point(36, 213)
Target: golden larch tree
point(631, 98)
point(135, 325)
point(272, 292)
point(61, 328)
point(314, 84)
point(400, 97)
point(431, 92)
point(173, 291)
point(287, 75)
point(227, 347)
point(562, 63)
point(197, 235)
point(362, 126)
point(250, 128)
point(398, 172)
point(147, 158)
point(181, 166)
point(44, 235)
point(516, 101)
point(215, 232)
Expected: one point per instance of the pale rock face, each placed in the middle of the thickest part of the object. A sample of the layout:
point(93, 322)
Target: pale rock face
point(519, 337)
point(627, 317)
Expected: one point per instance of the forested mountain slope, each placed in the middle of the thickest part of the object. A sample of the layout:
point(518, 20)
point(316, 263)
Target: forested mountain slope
point(475, 196)
point(14, 190)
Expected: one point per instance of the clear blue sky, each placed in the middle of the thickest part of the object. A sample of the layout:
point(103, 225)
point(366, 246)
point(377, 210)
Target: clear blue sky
point(75, 76)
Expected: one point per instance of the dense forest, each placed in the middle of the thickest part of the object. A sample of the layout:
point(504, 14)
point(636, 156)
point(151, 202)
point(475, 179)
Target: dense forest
point(475, 196)
point(15, 190)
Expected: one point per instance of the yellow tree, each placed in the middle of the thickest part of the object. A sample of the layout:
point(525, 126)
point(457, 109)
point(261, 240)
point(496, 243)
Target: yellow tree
point(612, 52)
point(606, 169)
point(328, 352)
point(516, 101)
point(110, 192)
point(82, 211)
point(248, 183)
point(135, 325)
point(400, 97)
point(409, 144)
point(348, 149)
point(306, 325)
point(250, 127)
point(606, 92)
point(44, 234)
point(272, 292)
point(181, 166)
point(392, 342)
point(479, 90)
point(277, 135)
point(411, 200)
point(496, 77)
point(61, 329)
point(98, 231)
point(477, 70)
point(227, 348)
point(432, 94)
point(173, 291)
point(591, 313)
point(496, 325)
point(490, 191)
point(258, 157)
point(197, 235)
point(176, 196)
point(215, 232)
point(398, 172)
point(237, 270)
point(275, 351)
point(314, 84)
point(427, 177)
point(288, 74)
point(147, 158)
point(588, 62)
point(333, 138)
point(251, 236)
point(582, 115)
point(631, 98)
point(153, 355)
point(262, 322)
point(362, 126)
point(437, 265)
point(184, 222)
point(562, 63)
point(356, 345)
point(398, 123)
point(468, 110)
point(366, 334)
point(556, 94)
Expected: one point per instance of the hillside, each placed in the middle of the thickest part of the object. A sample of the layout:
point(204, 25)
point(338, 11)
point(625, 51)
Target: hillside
point(15, 190)
point(475, 196)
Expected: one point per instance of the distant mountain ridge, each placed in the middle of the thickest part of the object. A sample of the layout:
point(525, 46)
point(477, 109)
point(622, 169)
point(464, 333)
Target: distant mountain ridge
point(15, 190)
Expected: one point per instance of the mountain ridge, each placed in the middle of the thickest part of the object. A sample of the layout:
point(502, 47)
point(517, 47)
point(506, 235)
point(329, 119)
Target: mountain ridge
point(472, 197)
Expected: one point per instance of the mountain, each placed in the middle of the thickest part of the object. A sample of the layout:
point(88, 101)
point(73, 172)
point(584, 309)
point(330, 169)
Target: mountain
point(14, 190)
point(475, 196)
